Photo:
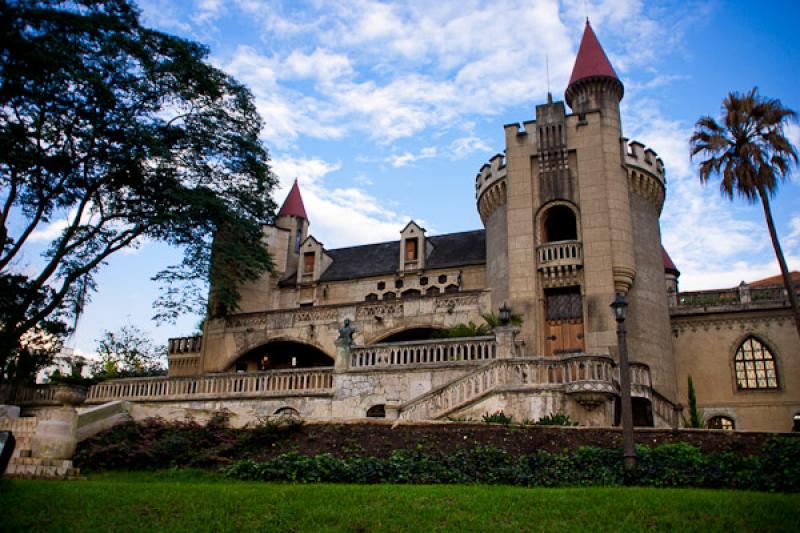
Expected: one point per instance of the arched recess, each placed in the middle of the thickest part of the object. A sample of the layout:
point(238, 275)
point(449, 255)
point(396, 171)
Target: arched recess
point(287, 411)
point(558, 221)
point(281, 354)
point(642, 412)
point(419, 333)
point(377, 411)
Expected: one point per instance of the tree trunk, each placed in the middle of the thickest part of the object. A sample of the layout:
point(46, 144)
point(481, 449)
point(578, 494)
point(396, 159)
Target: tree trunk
point(787, 279)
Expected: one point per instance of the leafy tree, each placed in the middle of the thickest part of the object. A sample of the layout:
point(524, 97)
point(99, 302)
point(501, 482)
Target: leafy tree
point(112, 133)
point(128, 352)
point(752, 155)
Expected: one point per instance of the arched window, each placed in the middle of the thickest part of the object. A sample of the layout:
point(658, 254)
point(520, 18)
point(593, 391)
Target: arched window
point(377, 411)
point(755, 366)
point(432, 291)
point(411, 293)
point(371, 297)
point(720, 422)
point(796, 422)
point(389, 296)
point(287, 411)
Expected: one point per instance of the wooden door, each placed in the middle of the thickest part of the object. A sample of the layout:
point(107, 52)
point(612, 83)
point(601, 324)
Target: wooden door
point(563, 321)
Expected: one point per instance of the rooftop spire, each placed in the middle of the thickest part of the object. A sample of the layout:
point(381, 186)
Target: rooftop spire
point(591, 67)
point(592, 60)
point(293, 205)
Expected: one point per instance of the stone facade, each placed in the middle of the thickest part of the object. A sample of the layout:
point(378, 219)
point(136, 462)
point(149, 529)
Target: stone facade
point(571, 218)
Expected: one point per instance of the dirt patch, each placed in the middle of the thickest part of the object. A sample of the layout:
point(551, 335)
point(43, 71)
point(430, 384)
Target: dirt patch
point(379, 439)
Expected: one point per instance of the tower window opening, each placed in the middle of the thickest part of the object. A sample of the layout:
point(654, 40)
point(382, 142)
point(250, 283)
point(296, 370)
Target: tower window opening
point(560, 224)
point(298, 237)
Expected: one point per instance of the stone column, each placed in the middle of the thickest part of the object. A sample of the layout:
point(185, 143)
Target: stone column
point(505, 337)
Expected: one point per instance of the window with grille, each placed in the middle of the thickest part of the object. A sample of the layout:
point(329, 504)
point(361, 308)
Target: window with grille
point(755, 366)
point(563, 303)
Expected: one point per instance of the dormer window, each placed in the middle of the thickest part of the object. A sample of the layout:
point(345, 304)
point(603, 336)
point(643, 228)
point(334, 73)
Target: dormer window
point(308, 263)
point(411, 250)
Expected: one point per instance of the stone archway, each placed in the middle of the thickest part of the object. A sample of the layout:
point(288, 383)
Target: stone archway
point(415, 333)
point(281, 354)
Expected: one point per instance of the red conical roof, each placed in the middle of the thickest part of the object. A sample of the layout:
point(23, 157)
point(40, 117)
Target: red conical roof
point(293, 206)
point(592, 60)
point(669, 266)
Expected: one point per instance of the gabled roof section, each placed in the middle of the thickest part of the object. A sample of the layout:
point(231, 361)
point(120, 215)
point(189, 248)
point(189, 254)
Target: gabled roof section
point(293, 206)
point(591, 61)
point(448, 251)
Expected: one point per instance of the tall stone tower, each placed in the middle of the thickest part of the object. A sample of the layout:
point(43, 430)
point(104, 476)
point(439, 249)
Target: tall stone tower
point(292, 218)
point(571, 219)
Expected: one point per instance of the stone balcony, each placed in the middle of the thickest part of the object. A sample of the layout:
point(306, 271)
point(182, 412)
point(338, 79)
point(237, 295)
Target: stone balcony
point(183, 355)
point(422, 353)
point(559, 260)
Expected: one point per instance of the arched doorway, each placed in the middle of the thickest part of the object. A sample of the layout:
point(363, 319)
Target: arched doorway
point(282, 354)
point(411, 334)
point(642, 412)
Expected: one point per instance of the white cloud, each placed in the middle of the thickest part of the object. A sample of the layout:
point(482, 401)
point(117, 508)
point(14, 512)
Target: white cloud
point(339, 216)
point(407, 158)
point(464, 146)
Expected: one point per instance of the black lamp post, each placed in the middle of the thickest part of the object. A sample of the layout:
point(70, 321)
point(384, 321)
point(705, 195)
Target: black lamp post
point(620, 308)
point(505, 315)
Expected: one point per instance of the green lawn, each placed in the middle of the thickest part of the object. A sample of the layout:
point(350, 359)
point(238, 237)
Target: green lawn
point(192, 501)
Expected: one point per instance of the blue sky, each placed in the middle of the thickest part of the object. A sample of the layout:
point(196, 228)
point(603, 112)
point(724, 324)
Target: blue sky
point(385, 112)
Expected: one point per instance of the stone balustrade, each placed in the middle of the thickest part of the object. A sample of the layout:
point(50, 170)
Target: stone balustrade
point(303, 382)
point(741, 296)
point(423, 353)
point(38, 395)
point(559, 259)
point(573, 373)
point(182, 345)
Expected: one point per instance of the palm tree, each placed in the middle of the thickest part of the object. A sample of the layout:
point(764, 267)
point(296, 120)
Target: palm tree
point(751, 154)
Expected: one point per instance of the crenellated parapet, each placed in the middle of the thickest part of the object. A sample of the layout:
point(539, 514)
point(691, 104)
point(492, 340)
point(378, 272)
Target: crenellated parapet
point(490, 186)
point(645, 172)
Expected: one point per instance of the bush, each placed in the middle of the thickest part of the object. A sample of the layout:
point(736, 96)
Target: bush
point(155, 443)
point(555, 419)
point(669, 465)
point(498, 417)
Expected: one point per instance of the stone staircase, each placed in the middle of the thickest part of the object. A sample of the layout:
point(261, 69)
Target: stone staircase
point(22, 464)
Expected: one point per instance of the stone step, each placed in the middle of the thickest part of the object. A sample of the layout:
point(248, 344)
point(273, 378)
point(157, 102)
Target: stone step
point(42, 471)
point(36, 461)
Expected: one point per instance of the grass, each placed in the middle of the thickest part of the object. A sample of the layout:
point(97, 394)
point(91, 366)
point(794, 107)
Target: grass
point(200, 501)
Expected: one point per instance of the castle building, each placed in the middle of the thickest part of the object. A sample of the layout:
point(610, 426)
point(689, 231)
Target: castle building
point(571, 219)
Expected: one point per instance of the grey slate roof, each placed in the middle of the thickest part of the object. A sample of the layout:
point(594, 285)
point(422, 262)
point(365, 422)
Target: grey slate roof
point(449, 251)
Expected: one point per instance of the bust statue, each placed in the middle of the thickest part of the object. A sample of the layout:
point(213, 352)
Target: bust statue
point(346, 333)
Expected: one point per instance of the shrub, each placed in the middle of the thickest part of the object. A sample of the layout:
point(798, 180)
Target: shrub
point(498, 417)
point(555, 419)
point(669, 465)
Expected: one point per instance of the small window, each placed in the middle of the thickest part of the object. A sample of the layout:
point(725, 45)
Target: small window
point(451, 288)
point(381, 285)
point(389, 296)
point(720, 422)
point(432, 291)
point(423, 281)
point(411, 249)
point(377, 411)
point(371, 297)
point(755, 366)
point(308, 263)
point(443, 278)
point(398, 284)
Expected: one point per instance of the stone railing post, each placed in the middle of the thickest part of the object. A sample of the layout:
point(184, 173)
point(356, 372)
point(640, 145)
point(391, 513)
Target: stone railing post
point(342, 361)
point(505, 338)
point(744, 293)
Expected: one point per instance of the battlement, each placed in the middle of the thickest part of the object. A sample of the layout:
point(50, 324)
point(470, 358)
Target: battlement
point(490, 186)
point(645, 159)
point(490, 173)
